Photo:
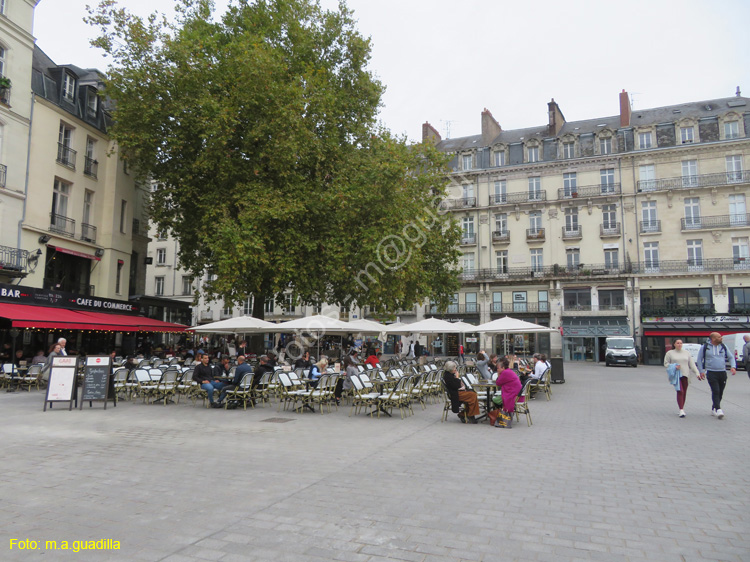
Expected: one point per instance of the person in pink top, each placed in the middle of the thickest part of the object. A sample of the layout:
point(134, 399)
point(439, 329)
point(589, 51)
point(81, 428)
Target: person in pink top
point(510, 386)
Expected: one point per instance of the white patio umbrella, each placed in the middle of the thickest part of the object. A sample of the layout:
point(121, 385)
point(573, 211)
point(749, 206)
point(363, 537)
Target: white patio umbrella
point(508, 325)
point(363, 326)
point(238, 325)
point(317, 325)
point(427, 326)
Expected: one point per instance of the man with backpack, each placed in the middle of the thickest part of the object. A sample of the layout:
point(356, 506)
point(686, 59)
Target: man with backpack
point(712, 367)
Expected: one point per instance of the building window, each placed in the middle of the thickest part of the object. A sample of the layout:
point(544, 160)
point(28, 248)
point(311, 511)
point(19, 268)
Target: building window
point(2, 54)
point(90, 164)
point(92, 102)
point(247, 306)
point(535, 222)
point(268, 305)
point(732, 130)
point(577, 299)
point(161, 235)
point(471, 303)
point(737, 210)
point(65, 154)
point(289, 304)
point(611, 258)
point(161, 256)
point(651, 256)
point(573, 258)
point(689, 173)
point(118, 278)
point(501, 261)
point(468, 192)
point(501, 223)
point(649, 216)
point(695, 254)
point(497, 302)
point(466, 162)
point(535, 188)
point(537, 260)
point(734, 168)
point(569, 149)
point(69, 87)
point(739, 303)
point(543, 300)
point(611, 299)
point(605, 145)
point(159, 286)
point(682, 301)
point(686, 135)
point(571, 220)
point(499, 158)
point(607, 178)
point(741, 253)
point(88, 205)
point(500, 195)
point(609, 217)
point(646, 178)
point(187, 285)
point(123, 215)
point(60, 195)
point(533, 154)
point(692, 212)
point(570, 184)
point(467, 226)
point(226, 311)
point(468, 263)
point(644, 140)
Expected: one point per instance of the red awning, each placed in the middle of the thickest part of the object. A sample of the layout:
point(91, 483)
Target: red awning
point(680, 332)
point(27, 316)
point(76, 253)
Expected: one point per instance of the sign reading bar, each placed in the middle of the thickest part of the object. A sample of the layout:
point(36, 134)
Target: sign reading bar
point(61, 386)
point(50, 297)
point(97, 380)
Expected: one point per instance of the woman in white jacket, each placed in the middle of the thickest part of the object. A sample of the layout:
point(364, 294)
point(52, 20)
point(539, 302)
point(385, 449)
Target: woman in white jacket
point(686, 367)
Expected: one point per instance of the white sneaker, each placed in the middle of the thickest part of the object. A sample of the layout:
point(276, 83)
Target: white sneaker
point(682, 413)
point(713, 412)
point(720, 414)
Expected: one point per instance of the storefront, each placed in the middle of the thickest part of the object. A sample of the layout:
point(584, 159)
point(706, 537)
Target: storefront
point(584, 338)
point(659, 333)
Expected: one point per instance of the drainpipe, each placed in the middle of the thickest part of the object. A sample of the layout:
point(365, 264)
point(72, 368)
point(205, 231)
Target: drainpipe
point(26, 180)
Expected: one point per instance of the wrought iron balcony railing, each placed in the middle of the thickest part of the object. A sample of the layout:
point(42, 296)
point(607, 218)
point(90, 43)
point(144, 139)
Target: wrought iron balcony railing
point(88, 233)
point(467, 239)
point(572, 233)
point(677, 309)
point(650, 226)
point(535, 234)
point(62, 225)
point(13, 261)
point(470, 308)
point(695, 181)
point(718, 221)
point(609, 230)
point(66, 155)
point(501, 236)
point(509, 308)
point(90, 167)
point(594, 307)
point(499, 199)
point(3, 174)
point(461, 203)
point(589, 191)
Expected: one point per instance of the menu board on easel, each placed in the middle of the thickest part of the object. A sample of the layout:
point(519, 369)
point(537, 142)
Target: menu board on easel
point(61, 386)
point(96, 380)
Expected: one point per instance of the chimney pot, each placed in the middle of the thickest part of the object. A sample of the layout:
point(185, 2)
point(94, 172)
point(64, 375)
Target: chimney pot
point(624, 109)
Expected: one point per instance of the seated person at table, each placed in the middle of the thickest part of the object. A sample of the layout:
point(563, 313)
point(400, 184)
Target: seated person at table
point(222, 368)
point(458, 393)
point(373, 360)
point(483, 365)
point(303, 362)
point(271, 359)
point(317, 370)
point(241, 370)
point(204, 375)
point(262, 369)
point(492, 365)
point(510, 385)
point(39, 357)
point(344, 382)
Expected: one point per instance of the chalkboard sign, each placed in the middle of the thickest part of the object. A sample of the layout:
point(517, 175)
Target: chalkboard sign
point(61, 386)
point(96, 379)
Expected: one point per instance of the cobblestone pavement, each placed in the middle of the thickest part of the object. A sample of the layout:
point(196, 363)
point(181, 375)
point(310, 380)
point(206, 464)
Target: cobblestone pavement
point(606, 472)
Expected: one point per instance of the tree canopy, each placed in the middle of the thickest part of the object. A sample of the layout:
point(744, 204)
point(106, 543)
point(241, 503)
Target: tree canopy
point(259, 129)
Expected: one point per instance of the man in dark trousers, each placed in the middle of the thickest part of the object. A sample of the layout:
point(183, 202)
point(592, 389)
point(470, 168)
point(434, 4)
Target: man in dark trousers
point(205, 377)
point(241, 370)
point(712, 366)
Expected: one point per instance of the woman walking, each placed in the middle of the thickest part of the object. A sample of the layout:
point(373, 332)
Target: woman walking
point(686, 368)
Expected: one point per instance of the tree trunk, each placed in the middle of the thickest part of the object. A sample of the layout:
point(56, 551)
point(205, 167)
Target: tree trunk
point(256, 340)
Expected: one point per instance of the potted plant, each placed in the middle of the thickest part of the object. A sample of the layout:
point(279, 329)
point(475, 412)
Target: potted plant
point(5, 82)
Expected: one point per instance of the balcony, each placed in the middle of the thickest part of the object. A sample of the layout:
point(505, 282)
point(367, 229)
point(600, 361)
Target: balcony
point(3, 174)
point(609, 231)
point(595, 309)
point(677, 310)
point(650, 227)
point(66, 156)
point(469, 309)
point(589, 191)
point(535, 235)
point(462, 203)
point(694, 182)
point(62, 225)
point(501, 236)
point(572, 233)
point(711, 265)
point(88, 233)
point(498, 199)
point(13, 262)
point(5, 95)
point(206, 316)
point(468, 239)
point(714, 222)
point(90, 167)
point(527, 197)
point(519, 307)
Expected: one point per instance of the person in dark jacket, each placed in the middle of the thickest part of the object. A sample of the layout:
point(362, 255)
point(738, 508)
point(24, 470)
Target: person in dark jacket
point(262, 369)
point(205, 377)
point(303, 362)
point(458, 393)
point(239, 373)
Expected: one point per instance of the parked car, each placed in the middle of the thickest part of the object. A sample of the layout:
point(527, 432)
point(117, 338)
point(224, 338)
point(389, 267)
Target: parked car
point(620, 351)
point(734, 343)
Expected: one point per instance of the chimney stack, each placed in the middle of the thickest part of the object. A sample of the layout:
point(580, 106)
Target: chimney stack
point(430, 134)
point(490, 128)
point(556, 118)
point(624, 109)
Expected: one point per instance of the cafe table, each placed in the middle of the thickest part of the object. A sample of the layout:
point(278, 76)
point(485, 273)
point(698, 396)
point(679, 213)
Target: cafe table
point(489, 388)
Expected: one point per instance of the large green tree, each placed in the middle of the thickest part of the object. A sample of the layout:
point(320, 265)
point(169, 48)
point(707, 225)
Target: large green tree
point(259, 127)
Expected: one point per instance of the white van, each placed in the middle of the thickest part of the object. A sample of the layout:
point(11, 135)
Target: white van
point(621, 351)
point(734, 343)
point(692, 349)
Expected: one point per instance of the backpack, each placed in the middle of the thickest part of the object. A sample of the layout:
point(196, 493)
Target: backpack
point(703, 354)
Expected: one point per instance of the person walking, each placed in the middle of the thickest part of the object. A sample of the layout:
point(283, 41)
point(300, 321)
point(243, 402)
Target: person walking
point(746, 354)
point(686, 369)
point(712, 366)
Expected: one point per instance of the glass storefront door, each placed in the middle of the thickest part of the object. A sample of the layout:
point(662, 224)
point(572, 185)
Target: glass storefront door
point(579, 349)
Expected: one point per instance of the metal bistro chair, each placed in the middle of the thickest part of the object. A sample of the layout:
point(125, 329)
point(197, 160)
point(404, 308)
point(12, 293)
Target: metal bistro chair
point(119, 380)
point(522, 403)
point(166, 387)
point(362, 398)
point(399, 396)
point(243, 393)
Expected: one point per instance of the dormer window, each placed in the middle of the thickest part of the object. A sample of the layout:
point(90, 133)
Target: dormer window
point(605, 145)
point(466, 162)
point(569, 149)
point(500, 157)
point(69, 87)
point(731, 130)
point(92, 102)
point(533, 154)
point(686, 135)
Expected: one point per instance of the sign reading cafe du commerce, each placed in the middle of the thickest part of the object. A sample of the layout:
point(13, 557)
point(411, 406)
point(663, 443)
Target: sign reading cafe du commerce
point(697, 319)
point(59, 299)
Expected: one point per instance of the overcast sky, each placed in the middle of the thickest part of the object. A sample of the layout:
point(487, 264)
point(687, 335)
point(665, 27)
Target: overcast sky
point(445, 61)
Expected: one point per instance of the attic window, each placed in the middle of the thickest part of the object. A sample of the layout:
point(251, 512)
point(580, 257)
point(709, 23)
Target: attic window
point(707, 107)
point(676, 111)
point(92, 102)
point(69, 87)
